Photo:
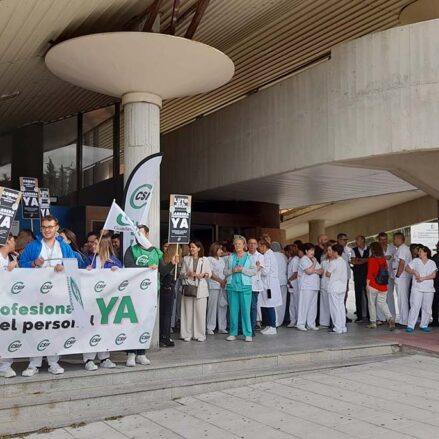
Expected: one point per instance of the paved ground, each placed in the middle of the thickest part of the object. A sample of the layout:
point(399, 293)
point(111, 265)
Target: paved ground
point(398, 398)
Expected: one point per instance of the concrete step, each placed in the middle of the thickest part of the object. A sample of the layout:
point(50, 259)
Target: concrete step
point(47, 401)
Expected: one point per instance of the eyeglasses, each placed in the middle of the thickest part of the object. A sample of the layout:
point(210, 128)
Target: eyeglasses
point(47, 227)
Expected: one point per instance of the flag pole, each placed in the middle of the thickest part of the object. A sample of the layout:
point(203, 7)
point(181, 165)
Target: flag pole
point(99, 242)
point(176, 265)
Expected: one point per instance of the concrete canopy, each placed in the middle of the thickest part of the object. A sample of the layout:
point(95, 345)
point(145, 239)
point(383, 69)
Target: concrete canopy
point(116, 63)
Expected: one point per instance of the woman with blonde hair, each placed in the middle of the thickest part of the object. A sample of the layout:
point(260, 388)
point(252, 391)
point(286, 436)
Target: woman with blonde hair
point(239, 270)
point(217, 302)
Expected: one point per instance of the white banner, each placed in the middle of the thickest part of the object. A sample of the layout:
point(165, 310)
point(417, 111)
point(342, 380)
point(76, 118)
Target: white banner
point(138, 193)
point(36, 317)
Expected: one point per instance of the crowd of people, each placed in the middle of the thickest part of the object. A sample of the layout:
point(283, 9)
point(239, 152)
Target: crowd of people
point(248, 286)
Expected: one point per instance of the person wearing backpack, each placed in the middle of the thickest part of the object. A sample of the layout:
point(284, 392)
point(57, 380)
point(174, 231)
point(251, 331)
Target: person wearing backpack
point(377, 285)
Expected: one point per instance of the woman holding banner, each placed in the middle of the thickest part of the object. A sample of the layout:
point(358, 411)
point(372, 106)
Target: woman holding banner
point(195, 271)
point(103, 258)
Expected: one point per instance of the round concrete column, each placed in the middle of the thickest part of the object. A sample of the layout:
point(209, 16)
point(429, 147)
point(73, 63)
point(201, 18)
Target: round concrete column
point(316, 228)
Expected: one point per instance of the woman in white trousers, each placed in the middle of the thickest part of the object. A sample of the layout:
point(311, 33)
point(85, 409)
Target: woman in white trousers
point(293, 285)
point(337, 273)
point(424, 272)
point(309, 275)
point(324, 310)
point(195, 271)
point(217, 302)
point(282, 267)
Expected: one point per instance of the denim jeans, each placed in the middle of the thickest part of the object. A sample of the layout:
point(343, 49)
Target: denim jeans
point(254, 309)
point(269, 316)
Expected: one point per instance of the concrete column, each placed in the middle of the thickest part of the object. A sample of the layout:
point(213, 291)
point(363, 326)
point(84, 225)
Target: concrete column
point(142, 138)
point(316, 228)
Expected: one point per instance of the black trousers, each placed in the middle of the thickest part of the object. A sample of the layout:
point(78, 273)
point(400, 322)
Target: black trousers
point(166, 307)
point(360, 293)
point(435, 307)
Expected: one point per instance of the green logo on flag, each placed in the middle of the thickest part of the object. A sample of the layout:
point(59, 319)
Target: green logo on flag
point(140, 196)
point(144, 337)
point(95, 340)
point(120, 339)
point(15, 346)
point(122, 220)
point(17, 287)
point(46, 287)
point(69, 342)
point(75, 291)
point(43, 344)
point(99, 287)
point(123, 285)
point(145, 284)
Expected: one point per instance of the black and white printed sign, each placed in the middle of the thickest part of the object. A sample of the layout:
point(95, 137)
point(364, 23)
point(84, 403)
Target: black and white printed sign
point(180, 219)
point(29, 189)
point(9, 202)
point(44, 201)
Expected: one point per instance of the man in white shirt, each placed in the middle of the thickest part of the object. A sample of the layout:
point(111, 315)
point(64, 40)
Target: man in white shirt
point(342, 239)
point(257, 285)
point(401, 259)
point(282, 266)
point(389, 253)
point(7, 262)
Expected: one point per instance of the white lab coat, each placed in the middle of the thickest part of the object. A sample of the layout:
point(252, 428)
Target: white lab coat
point(270, 280)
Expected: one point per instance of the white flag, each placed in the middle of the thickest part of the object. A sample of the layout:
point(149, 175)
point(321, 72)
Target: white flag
point(118, 221)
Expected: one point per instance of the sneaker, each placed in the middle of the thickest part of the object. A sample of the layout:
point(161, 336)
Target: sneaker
point(371, 326)
point(313, 328)
point(248, 338)
point(291, 325)
point(301, 328)
point(269, 331)
point(231, 338)
point(359, 321)
point(8, 373)
point(131, 360)
point(425, 329)
point(90, 365)
point(108, 364)
point(391, 323)
point(409, 330)
point(56, 369)
point(186, 339)
point(167, 343)
point(379, 322)
point(30, 371)
point(141, 359)
point(222, 331)
point(201, 339)
point(210, 332)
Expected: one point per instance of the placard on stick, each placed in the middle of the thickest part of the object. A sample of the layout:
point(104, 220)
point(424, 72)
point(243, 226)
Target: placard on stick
point(9, 202)
point(180, 219)
point(29, 189)
point(44, 201)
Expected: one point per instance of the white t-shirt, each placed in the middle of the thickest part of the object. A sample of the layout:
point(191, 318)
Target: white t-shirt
point(402, 252)
point(324, 281)
point(282, 267)
point(339, 276)
point(54, 254)
point(426, 286)
point(218, 266)
point(390, 251)
point(348, 254)
point(257, 284)
point(293, 267)
point(308, 281)
point(4, 262)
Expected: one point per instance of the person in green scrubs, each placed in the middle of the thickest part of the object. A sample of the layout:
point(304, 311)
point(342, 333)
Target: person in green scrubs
point(239, 271)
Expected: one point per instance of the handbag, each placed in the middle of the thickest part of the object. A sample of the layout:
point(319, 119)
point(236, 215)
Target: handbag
point(191, 290)
point(382, 277)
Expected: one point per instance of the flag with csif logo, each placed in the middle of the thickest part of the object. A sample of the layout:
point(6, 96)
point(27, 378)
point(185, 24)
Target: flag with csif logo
point(118, 221)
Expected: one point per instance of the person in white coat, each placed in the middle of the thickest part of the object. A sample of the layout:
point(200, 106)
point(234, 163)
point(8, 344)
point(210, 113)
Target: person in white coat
point(271, 297)
point(257, 285)
point(309, 279)
point(195, 271)
point(389, 252)
point(282, 267)
point(401, 259)
point(324, 309)
point(293, 285)
point(217, 302)
point(337, 273)
point(424, 272)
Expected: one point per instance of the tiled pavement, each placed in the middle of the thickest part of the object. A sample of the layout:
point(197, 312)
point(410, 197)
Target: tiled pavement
point(394, 399)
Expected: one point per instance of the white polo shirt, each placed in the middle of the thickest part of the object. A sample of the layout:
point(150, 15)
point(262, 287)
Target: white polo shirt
point(52, 256)
point(402, 252)
point(257, 284)
point(293, 267)
point(308, 281)
point(339, 276)
point(426, 286)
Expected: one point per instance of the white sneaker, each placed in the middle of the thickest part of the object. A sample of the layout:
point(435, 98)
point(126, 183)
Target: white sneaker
point(30, 372)
point(291, 325)
point(108, 364)
point(201, 339)
point(186, 339)
point(265, 329)
point(131, 360)
point(56, 369)
point(210, 332)
point(8, 373)
point(90, 366)
point(301, 328)
point(313, 328)
point(222, 331)
point(248, 338)
point(141, 359)
point(269, 331)
point(231, 338)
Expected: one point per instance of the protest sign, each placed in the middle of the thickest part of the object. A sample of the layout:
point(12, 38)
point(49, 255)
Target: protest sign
point(179, 219)
point(29, 189)
point(44, 202)
point(9, 202)
point(36, 315)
